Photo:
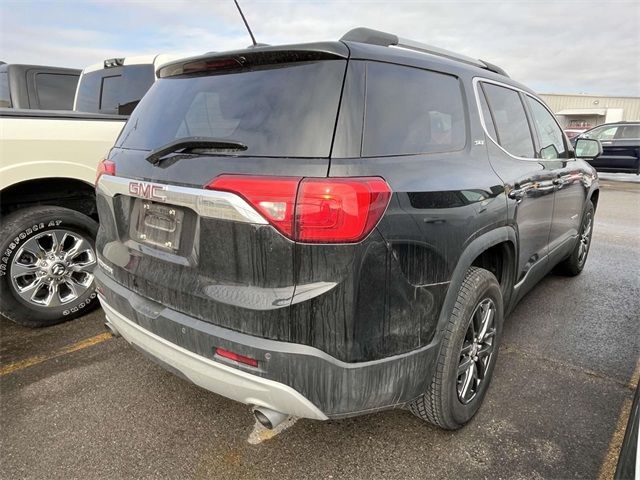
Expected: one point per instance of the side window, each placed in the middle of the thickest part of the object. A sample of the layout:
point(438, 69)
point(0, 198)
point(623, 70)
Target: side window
point(510, 120)
point(486, 115)
point(55, 91)
point(109, 94)
point(550, 136)
point(411, 111)
point(604, 133)
point(627, 132)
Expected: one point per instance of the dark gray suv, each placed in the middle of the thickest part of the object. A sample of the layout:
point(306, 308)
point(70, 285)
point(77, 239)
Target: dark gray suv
point(330, 229)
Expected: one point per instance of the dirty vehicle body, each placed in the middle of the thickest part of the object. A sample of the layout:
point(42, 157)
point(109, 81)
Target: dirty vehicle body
point(329, 229)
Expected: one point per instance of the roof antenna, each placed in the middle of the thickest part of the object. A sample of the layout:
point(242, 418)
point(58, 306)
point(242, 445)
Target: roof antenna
point(253, 39)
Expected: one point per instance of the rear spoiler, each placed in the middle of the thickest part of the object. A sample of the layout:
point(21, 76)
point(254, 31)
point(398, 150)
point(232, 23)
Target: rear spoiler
point(255, 56)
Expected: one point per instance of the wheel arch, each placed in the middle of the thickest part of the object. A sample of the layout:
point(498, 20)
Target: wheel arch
point(496, 250)
point(65, 192)
point(594, 197)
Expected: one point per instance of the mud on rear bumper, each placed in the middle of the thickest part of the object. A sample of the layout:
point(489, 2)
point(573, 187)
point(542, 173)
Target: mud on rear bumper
point(290, 378)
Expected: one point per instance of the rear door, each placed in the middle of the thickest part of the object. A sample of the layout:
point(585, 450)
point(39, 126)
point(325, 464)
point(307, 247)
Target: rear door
point(204, 253)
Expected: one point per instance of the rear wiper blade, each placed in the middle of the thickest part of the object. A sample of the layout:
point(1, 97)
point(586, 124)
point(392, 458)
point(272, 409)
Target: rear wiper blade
point(188, 144)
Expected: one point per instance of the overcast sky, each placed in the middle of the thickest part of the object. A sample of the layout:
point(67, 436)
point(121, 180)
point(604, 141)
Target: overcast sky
point(565, 46)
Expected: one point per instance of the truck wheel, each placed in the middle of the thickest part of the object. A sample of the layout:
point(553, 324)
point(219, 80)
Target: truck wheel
point(46, 268)
point(574, 264)
point(468, 354)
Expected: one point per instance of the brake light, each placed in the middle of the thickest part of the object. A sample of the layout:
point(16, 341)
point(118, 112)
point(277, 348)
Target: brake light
point(313, 210)
point(339, 209)
point(252, 362)
point(273, 197)
point(105, 167)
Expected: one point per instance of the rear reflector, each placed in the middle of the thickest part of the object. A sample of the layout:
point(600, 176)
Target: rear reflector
point(313, 210)
point(252, 362)
point(105, 167)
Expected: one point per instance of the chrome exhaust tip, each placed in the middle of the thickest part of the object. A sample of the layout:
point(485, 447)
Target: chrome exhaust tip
point(109, 326)
point(269, 418)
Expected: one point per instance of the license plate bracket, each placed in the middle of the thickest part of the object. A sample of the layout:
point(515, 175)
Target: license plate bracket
point(157, 224)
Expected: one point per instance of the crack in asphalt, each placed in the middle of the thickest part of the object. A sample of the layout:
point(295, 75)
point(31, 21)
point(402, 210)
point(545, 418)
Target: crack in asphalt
point(630, 385)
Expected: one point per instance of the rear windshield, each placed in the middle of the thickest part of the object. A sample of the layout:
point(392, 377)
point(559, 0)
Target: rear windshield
point(114, 90)
point(287, 110)
point(56, 91)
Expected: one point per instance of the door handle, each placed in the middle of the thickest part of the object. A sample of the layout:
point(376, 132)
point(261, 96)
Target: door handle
point(517, 194)
point(559, 182)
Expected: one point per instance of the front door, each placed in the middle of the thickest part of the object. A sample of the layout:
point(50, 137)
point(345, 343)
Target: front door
point(567, 177)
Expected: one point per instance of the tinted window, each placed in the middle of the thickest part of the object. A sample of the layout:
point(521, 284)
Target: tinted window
point(486, 115)
point(137, 80)
point(510, 120)
point(628, 132)
point(411, 111)
point(109, 97)
point(114, 90)
point(601, 133)
point(55, 91)
point(550, 135)
point(284, 110)
point(5, 97)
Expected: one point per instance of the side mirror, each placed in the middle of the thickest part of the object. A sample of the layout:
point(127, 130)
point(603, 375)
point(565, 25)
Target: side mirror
point(588, 148)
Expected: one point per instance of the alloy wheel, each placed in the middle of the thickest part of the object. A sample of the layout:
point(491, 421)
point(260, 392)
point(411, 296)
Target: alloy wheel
point(477, 350)
point(585, 238)
point(53, 268)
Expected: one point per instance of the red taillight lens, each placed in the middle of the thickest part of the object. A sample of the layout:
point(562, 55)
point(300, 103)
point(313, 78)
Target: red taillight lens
point(273, 197)
point(252, 362)
point(313, 210)
point(339, 209)
point(105, 167)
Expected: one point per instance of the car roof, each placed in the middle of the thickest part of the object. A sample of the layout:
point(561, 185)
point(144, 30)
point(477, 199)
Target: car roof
point(359, 50)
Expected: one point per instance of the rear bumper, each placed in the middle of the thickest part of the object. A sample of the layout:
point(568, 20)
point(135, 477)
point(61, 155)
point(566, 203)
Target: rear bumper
point(211, 375)
point(290, 378)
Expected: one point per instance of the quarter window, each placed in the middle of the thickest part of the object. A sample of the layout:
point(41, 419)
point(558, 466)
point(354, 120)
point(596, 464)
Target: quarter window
point(510, 120)
point(550, 136)
point(411, 111)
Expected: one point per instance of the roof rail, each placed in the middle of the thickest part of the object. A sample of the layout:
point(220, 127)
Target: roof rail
point(376, 37)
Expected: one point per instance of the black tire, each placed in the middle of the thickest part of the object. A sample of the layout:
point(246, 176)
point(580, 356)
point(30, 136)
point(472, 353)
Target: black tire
point(34, 223)
point(441, 404)
point(574, 264)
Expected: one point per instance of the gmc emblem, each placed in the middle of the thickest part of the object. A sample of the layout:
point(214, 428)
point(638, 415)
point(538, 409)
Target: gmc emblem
point(147, 190)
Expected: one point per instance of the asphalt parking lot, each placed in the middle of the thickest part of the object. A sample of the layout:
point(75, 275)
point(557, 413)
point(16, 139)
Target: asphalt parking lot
point(77, 403)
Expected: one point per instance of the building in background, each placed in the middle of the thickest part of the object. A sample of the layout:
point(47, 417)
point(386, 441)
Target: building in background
point(587, 111)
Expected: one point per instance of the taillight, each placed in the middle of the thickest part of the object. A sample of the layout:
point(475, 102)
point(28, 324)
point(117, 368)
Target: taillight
point(273, 197)
point(105, 167)
point(313, 210)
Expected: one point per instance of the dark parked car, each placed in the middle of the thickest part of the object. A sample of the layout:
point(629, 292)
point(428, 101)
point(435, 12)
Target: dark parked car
point(329, 229)
point(621, 147)
point(37, 87)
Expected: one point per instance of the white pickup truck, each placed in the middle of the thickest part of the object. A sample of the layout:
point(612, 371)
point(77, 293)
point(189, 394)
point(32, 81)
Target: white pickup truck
point(48, 163)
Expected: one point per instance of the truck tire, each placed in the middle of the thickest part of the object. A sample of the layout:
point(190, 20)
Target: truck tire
point(468, 353)
point(46, 268)
point(574, 264)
